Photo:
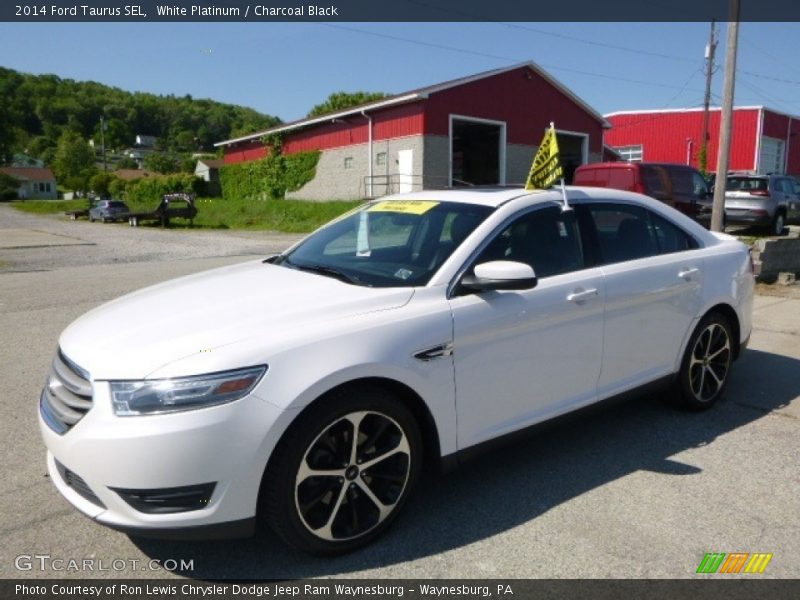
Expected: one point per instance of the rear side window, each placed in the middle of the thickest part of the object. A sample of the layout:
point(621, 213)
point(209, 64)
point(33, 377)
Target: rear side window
point(623, 232)
point(655, 181)
point(630, 232)
point(670, 238)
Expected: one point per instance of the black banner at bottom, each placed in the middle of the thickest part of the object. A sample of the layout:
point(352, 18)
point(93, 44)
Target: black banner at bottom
point(366, 589)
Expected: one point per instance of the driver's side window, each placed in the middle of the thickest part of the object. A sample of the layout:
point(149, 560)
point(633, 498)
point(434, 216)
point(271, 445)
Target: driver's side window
point(546, 239)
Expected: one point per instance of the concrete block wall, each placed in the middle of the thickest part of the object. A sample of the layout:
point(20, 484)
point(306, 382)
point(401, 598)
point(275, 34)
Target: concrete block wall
point(771, 257)
point(335, 182)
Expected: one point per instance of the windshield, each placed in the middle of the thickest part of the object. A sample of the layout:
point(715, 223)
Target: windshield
point(398, 243)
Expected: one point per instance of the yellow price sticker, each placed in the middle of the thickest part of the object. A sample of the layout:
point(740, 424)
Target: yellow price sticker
point(409, 207)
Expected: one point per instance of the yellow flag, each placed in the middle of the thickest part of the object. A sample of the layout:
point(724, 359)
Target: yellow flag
point(546, 168)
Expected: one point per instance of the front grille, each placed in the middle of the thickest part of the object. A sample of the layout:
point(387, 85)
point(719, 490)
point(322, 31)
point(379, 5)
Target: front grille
point(67, 396)
point(77, 483)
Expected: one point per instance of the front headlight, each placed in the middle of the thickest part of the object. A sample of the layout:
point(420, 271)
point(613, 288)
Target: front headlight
point(158, 396)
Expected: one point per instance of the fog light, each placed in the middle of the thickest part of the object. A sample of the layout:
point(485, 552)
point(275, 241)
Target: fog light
point(169, 500)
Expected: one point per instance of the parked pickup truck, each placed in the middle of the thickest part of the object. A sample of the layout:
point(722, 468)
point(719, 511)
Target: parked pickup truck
point(172, 206)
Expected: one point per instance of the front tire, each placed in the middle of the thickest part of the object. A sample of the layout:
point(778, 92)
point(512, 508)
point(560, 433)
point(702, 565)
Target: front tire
point(778, 223)
point(343, 471)
point(706, 363)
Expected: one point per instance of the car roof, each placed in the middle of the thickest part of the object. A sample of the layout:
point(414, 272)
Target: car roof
point(494, 197)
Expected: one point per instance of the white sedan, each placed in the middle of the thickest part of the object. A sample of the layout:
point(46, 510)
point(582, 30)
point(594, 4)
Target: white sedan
point(308, 389)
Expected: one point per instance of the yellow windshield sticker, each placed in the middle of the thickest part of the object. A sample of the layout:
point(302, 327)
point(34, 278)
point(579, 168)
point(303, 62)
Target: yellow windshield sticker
point(409, 207)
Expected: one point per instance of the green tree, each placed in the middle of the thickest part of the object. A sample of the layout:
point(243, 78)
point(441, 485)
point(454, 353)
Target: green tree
point(74, 161)
point(100, 184)
point(9, 187)
point(162, 162)
point(343, 100)
point(126, 162)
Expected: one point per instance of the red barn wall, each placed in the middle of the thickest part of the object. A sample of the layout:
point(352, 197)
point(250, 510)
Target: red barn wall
point(522, 98)
point(665, 136)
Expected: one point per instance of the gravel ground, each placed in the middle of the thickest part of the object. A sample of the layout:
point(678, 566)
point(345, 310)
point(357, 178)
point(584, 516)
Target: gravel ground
point(97, 243)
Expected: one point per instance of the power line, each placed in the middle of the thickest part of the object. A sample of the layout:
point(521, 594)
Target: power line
point(499, 57)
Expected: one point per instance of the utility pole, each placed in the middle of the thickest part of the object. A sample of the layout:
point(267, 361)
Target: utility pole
point(710, 50)
point(103, 140)
point(718, 210)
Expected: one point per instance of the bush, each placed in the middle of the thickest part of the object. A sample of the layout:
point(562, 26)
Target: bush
point(146, 192)
point(269, 177)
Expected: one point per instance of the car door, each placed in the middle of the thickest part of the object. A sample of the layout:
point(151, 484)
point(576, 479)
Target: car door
point(523, 356)
point(653, 274)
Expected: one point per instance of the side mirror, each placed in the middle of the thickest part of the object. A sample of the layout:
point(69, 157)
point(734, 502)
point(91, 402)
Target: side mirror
point(500, 275)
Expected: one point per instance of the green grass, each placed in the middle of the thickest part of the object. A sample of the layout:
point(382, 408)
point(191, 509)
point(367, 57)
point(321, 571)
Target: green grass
point(47, 207)
point(290, 216)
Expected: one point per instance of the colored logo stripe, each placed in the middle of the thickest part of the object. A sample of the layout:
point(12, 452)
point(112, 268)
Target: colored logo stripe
point(714, 562)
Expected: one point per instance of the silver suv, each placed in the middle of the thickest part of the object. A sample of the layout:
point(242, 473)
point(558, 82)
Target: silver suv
point(767, 201)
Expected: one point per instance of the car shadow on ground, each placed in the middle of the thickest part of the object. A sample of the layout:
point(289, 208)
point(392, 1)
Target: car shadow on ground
point(552, 466)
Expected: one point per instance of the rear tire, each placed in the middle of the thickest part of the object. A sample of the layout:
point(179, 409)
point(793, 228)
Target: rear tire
point(326, 495)
point(706, 363)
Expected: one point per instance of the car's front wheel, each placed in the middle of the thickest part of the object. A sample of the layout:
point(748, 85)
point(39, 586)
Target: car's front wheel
point(778, 223)
point(706, 363)
point(343, 471)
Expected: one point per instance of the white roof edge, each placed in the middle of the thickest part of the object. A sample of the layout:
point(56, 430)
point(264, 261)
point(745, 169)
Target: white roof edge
point(423, 93)
point(327, 117)
point(653, 111)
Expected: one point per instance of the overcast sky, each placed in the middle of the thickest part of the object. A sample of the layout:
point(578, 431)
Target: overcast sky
point(284, 69)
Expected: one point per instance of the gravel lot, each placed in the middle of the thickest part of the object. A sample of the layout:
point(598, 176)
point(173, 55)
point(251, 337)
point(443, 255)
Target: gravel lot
point(633, 489)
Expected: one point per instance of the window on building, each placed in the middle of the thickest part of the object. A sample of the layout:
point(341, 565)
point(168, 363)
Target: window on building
point(631, 153)
point(47, 187)
point(348, 162)
point(380, 158)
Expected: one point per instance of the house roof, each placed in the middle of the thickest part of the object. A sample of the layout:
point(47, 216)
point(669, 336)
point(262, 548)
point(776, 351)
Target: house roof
point(212, 163)
point(130, 174)
point(29, 173)
point(420, 94)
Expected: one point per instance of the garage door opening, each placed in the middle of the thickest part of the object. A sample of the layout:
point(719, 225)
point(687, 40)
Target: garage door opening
point(477, 148)
point(574, 151)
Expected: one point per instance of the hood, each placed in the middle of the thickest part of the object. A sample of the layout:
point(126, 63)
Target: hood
point(133, 336)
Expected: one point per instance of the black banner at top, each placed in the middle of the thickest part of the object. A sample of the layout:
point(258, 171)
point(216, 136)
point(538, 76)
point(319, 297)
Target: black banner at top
point(144, 11)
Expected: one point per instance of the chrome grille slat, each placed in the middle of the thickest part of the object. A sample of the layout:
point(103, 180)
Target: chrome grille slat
point(67, 396)
point(73, 381)
point(64, 394)
point(62, 411)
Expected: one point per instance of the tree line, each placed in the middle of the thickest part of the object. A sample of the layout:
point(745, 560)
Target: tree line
point(37, 110)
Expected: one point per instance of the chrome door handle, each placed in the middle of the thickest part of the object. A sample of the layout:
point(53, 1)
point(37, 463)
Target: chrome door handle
point(687, 274)
point(581, 295)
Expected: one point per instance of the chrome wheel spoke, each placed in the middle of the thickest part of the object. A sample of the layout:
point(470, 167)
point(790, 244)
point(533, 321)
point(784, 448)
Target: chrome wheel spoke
point(384, 509)
point(304, 472)
point(326, 531)
point(402, 447)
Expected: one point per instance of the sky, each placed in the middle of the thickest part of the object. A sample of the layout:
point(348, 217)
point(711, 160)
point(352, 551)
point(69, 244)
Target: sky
point(284, 69)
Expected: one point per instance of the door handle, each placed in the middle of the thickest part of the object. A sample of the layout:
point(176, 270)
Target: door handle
point(579, 296)
point(687, 274)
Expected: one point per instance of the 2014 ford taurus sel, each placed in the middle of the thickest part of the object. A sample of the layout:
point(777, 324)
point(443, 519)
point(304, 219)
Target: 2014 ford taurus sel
point(310, 388)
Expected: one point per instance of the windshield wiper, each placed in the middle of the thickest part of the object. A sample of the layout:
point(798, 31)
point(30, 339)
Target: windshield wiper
point(325, 270)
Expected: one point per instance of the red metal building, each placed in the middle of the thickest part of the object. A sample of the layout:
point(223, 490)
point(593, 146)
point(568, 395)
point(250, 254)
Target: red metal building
point(481, 129)
point(763, 140)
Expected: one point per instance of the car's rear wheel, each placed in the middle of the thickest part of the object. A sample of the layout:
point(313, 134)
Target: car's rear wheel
point(343, 471)
point(778, 223)
point(706, 363)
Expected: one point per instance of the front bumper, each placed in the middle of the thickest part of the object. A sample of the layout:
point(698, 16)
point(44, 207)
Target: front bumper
point(228, 445)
